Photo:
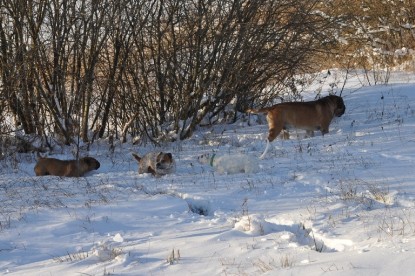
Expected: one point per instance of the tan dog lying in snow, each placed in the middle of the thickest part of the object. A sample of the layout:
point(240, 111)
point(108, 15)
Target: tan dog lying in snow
point(70, 168)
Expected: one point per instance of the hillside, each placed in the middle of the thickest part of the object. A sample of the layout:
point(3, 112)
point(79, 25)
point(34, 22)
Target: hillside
point(343, 203)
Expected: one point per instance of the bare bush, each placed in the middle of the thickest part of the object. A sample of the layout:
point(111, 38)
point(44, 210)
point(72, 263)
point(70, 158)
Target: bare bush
point(153, 69)
point(375, 36)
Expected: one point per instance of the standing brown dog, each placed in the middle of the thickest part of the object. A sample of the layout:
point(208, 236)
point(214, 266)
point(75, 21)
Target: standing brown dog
point(71, 168)
point(310, 116)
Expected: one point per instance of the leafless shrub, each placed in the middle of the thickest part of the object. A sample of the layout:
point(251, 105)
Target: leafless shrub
point(396, 223)
point(348, 190)
point(286, 261)
point(264, 266)
point(72, 257)
point(374, 37)
point(155, 69)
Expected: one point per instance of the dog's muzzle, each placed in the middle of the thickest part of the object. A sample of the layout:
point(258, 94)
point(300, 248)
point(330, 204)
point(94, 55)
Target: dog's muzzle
point(341, 111)
point(163, 166)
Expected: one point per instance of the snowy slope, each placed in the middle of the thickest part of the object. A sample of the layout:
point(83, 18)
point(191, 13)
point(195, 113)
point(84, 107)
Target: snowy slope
point(342, 204)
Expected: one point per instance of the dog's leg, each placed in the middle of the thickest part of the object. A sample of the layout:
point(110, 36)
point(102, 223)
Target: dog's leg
point(309, 133)
point(265, 151)
point(324, 130)
point(285, 134)
point(275, 125)
point(152, 171)
point(271, 137)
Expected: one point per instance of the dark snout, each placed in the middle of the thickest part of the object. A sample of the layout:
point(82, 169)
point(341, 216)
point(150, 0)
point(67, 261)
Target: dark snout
point(92, 163)
point(341, 108)
point(341, 111)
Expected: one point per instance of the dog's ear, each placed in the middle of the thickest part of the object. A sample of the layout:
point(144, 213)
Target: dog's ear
point(136, 157)
point(170, 155)
point(39, 156)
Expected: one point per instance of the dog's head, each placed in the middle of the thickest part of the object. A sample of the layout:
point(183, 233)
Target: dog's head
point(164, 161)
point(337, 104)
point(91, 163)
point(204, 158)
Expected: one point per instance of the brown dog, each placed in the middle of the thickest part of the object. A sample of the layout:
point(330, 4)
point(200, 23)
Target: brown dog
point(71, 168)
point(310, 116)
point(156, 163)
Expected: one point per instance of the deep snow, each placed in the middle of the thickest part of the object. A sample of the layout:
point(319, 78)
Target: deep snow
point(342, 204)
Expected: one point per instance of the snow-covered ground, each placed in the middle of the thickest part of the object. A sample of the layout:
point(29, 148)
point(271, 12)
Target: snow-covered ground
point(342, 204)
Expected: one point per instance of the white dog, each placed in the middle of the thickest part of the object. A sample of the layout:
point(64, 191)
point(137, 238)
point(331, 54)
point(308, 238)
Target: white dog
point(230, 164)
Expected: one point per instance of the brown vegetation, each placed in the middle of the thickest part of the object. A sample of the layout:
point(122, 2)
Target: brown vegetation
point(157, 69)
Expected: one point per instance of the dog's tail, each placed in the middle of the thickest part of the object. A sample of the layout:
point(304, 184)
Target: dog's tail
point(264, 109)
point(138, 158)
point(256, 111)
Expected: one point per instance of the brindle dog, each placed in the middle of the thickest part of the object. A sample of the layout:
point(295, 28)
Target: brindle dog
point(156, 163)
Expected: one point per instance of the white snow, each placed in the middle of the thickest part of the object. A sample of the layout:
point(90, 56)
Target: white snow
point(342, 204)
